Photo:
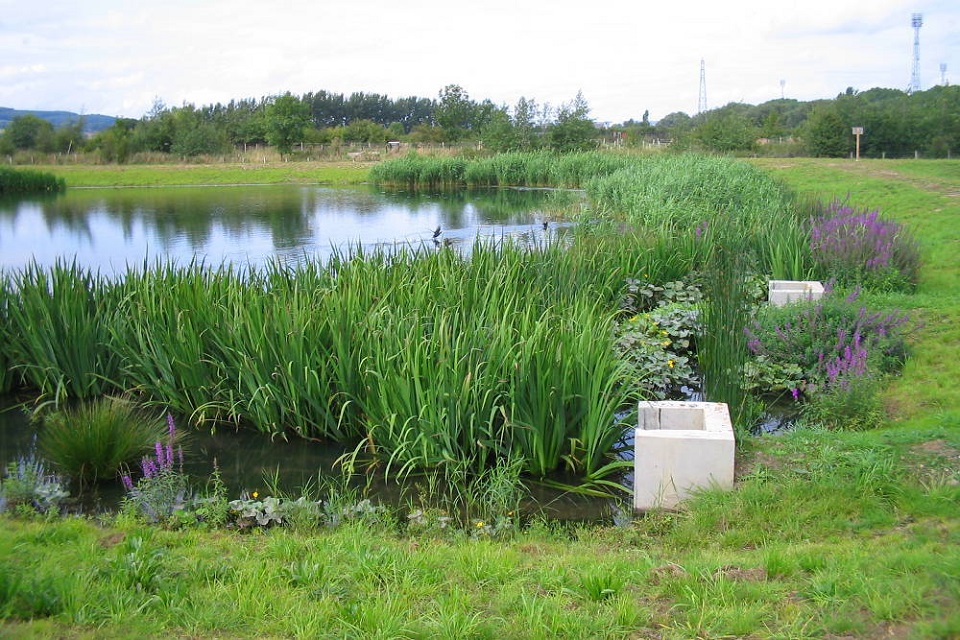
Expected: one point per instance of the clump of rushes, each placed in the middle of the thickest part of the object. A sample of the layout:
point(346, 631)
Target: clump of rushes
point(856, 246)
point(532, 169)
point(20, 181)
point(92, 441)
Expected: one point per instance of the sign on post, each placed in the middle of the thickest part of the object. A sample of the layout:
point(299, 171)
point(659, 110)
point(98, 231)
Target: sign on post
point(858, 131)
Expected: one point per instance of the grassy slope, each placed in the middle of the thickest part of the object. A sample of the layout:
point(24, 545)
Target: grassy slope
point(828, 535)
point(926, 197)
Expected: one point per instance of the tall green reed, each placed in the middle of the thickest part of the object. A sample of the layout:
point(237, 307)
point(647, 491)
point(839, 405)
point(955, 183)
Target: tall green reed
point(58, 328)
point(423, 357)
point(683, 195)
point(7, 379)
point(532, 169)
point(20, 181)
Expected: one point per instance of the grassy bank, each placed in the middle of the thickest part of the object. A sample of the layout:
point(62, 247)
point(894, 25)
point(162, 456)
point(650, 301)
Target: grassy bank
point(924, 196)
point(160, 175)
point(828, 534)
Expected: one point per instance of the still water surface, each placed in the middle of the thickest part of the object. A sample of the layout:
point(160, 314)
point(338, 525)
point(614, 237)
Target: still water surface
point(111, 229)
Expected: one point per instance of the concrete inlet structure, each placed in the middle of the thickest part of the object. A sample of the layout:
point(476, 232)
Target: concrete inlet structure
point(681, 447)
point(783, 292)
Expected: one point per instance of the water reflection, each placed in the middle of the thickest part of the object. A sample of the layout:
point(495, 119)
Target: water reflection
point(109, 229)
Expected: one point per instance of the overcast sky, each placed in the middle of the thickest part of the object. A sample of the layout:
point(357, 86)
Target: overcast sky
point(116, 57)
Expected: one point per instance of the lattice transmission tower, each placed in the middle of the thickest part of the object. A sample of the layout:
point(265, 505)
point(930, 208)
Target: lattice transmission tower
point(702, 102)
point(917, 22)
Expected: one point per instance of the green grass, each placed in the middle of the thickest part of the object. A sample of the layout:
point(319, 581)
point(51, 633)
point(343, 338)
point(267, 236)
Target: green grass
point(141, 175)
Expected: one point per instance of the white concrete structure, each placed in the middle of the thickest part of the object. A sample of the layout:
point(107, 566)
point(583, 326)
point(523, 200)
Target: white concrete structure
point(783, 292)
point(680, 447)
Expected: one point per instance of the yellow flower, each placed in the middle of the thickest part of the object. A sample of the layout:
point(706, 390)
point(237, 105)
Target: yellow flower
point(670, 363)
point(479, 524)
point(255, 495)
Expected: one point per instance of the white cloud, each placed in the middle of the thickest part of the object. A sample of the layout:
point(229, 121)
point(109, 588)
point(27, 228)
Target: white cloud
point(116, 57)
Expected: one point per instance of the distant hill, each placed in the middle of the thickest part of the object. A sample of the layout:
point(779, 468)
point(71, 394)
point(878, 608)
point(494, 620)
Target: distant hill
point(92, 122)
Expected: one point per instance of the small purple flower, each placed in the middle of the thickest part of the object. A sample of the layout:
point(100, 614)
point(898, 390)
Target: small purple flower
point(795, 393)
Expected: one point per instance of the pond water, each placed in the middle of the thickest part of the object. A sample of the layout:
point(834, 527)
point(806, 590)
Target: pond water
point(111, 229)
point(245, 459)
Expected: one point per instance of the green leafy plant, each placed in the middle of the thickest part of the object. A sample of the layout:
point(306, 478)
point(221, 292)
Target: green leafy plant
point(27, 482)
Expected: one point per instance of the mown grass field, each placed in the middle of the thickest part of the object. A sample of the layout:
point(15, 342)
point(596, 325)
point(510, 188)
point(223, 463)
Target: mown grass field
point(160, 175)
point(827, 534)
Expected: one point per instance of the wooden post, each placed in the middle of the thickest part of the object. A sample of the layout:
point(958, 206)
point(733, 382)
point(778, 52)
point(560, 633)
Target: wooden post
point(858, 131)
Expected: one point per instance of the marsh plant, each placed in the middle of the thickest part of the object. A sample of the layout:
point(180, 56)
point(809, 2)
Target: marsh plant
point(856, 247)
point(93, 440)
point(21, 181)
point(163, 491)
point(658, 336)
point(27, 482)
point(831, 352)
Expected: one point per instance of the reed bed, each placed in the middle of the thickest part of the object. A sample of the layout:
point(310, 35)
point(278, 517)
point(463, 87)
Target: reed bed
point(6, 299)
point(681, 196)
point(530, 169)
point(57, 336)
point(420, 358)
point(24, 181)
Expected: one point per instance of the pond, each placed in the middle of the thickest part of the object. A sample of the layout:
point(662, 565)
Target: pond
point(111, 229)
point(246, 459)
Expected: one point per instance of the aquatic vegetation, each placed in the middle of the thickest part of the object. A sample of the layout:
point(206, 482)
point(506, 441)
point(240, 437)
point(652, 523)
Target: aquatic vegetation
point(24, 181)
point(859, 248)
point(92, 441)
point(163, 491)
point(28, 482)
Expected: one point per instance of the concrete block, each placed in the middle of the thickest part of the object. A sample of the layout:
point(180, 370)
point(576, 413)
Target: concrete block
point(783, 292)
point(681, 447)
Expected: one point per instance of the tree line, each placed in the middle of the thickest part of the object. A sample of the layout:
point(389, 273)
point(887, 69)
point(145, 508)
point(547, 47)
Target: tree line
point(895, 123)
